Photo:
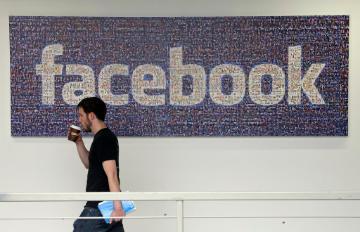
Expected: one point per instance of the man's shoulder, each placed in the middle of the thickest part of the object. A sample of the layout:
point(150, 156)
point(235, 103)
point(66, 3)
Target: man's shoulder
point(105, 134)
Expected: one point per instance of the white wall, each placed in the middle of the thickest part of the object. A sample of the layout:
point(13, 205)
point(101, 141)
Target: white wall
point(189, 164)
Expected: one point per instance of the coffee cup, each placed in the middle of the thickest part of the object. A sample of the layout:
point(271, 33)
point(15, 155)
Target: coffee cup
point(74, 132)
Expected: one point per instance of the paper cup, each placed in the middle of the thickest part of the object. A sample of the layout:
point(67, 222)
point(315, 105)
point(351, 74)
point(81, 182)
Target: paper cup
point(74, 133)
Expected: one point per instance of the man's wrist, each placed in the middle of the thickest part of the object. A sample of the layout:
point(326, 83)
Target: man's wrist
point(117, 205)
point(78, 141)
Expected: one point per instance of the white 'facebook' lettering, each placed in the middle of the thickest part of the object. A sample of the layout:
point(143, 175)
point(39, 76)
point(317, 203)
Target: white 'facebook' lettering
point(47, 70)
point(73, 92)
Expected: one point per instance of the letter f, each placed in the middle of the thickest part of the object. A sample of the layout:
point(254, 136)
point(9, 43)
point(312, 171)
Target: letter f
point(48, 69)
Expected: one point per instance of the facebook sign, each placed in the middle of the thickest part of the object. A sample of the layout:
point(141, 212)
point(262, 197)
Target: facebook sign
point(182, 76)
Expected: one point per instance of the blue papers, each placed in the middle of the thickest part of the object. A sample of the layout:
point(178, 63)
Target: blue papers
point(106, 208)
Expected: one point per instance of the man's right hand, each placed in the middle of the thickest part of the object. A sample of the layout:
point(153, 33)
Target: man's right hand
point(76, 139)
point(82, 151)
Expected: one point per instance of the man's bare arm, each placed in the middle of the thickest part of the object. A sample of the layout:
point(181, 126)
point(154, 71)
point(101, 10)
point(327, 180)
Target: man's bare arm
point(114, 186)
point(82, 151)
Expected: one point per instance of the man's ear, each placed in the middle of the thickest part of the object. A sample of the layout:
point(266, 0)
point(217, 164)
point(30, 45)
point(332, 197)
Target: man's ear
point(92, 116)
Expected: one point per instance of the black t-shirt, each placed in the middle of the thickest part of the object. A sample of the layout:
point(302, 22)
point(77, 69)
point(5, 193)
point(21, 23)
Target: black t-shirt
point(104, 147)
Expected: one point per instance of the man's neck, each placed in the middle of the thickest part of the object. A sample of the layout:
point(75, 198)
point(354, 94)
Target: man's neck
point(97, 125)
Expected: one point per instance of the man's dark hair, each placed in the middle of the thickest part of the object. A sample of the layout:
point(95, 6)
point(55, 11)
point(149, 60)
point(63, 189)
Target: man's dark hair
point(95, 105)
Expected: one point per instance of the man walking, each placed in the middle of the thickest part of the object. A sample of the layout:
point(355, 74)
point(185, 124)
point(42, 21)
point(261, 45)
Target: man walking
point(102, 162)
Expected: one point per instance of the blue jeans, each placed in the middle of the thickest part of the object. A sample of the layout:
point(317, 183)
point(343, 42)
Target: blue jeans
point(95, 225)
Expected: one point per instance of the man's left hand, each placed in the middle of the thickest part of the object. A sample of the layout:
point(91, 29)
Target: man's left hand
point(117, 213)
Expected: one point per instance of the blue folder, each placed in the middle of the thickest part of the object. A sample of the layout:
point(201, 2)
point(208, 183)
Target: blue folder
point(106, 208)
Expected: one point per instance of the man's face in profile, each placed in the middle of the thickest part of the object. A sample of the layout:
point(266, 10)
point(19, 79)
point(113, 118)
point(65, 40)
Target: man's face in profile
point(84, 120)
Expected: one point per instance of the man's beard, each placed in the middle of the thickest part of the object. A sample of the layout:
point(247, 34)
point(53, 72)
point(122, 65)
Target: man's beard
point(87, 127)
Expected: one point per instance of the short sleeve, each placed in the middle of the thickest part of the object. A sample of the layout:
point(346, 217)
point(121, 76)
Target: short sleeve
point(108, 149)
